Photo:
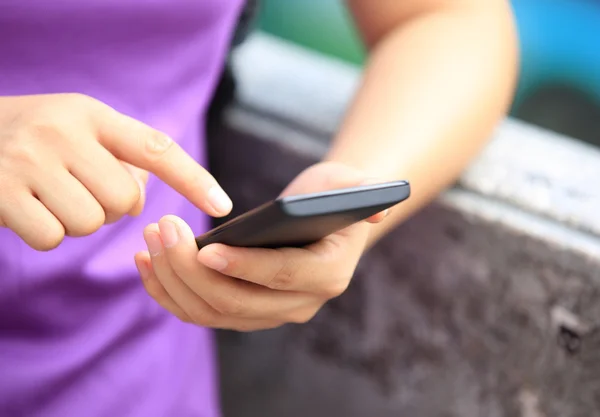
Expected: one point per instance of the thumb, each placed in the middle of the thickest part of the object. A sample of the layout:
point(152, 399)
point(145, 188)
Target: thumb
point(324, 176)
point(141, 177)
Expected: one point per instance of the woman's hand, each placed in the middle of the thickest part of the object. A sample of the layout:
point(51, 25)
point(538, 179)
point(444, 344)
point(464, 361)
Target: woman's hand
point(249, 289)
point(69, 164)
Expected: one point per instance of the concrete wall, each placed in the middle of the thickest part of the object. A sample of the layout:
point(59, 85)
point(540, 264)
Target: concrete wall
point(484, 304)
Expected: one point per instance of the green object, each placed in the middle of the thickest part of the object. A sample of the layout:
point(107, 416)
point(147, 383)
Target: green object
point(321, 25)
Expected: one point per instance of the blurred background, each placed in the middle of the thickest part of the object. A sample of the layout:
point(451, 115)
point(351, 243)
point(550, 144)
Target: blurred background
point(485, 304)
point(559, 86)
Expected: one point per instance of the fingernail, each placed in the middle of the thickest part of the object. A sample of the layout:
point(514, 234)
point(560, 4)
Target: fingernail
point(385, 213)
point(219, 200)
point(168, 233)
point(143, 269)
point(154, 243)
point(215, 261)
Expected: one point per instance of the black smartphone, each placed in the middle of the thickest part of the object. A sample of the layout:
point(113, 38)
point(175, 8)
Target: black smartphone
point(299, 220)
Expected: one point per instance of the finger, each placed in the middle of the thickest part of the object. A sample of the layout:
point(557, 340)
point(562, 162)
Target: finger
point(249, 325)
point(379, 217)
point(332, 176)
point(111, 184)
point(138, 144)
point(155, 289)
point(141, 177)
point(324, 177)
point(286, 269)
point(194, 306)
point(30, 219)
point(229, 296)
point(70, 202)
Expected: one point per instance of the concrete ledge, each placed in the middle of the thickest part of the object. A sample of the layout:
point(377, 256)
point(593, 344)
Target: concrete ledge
point(486, 198)
point(484, 304)
point(528, 167)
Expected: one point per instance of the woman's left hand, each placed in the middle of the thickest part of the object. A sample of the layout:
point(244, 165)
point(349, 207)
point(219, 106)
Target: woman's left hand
point(248, 289)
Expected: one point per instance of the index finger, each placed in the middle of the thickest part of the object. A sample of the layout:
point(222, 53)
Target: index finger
point(285, 269)
point(140, 145)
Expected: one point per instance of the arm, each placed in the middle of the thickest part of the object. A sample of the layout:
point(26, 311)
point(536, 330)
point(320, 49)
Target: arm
point(440, 76)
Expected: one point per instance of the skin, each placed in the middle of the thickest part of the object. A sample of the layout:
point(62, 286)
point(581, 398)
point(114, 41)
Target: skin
point(70, 164)
point(440, 76)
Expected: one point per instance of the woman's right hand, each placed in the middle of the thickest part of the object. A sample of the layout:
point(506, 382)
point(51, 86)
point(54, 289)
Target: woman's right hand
point(69, 164)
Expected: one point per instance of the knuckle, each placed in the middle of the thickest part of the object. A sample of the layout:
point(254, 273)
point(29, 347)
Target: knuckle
point(79, 98)
point(79, 101)
point(155, 143)
point(236, 268)
point(124, 198)
point(284, 278)
point(47, 239)
point(91, 219)
point(332, 247)
point(21, 150)
point(230, 306)
point(80, 104)
point(27, 145)
point(336, 287)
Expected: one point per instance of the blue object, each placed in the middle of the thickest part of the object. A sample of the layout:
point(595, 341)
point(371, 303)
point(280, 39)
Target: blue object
point(560, 45)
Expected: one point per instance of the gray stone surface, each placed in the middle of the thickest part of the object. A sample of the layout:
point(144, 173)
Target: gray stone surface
point(544, 173)
point(484, 304)
point(531, 168)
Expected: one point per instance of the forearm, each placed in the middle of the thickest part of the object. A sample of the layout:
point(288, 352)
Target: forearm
point(433, 91)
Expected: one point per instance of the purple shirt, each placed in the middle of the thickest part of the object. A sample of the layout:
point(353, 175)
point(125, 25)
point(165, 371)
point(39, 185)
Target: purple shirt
point(78, 334)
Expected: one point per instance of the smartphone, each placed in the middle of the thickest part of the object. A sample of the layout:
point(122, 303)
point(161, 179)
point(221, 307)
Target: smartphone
point(300, 220)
